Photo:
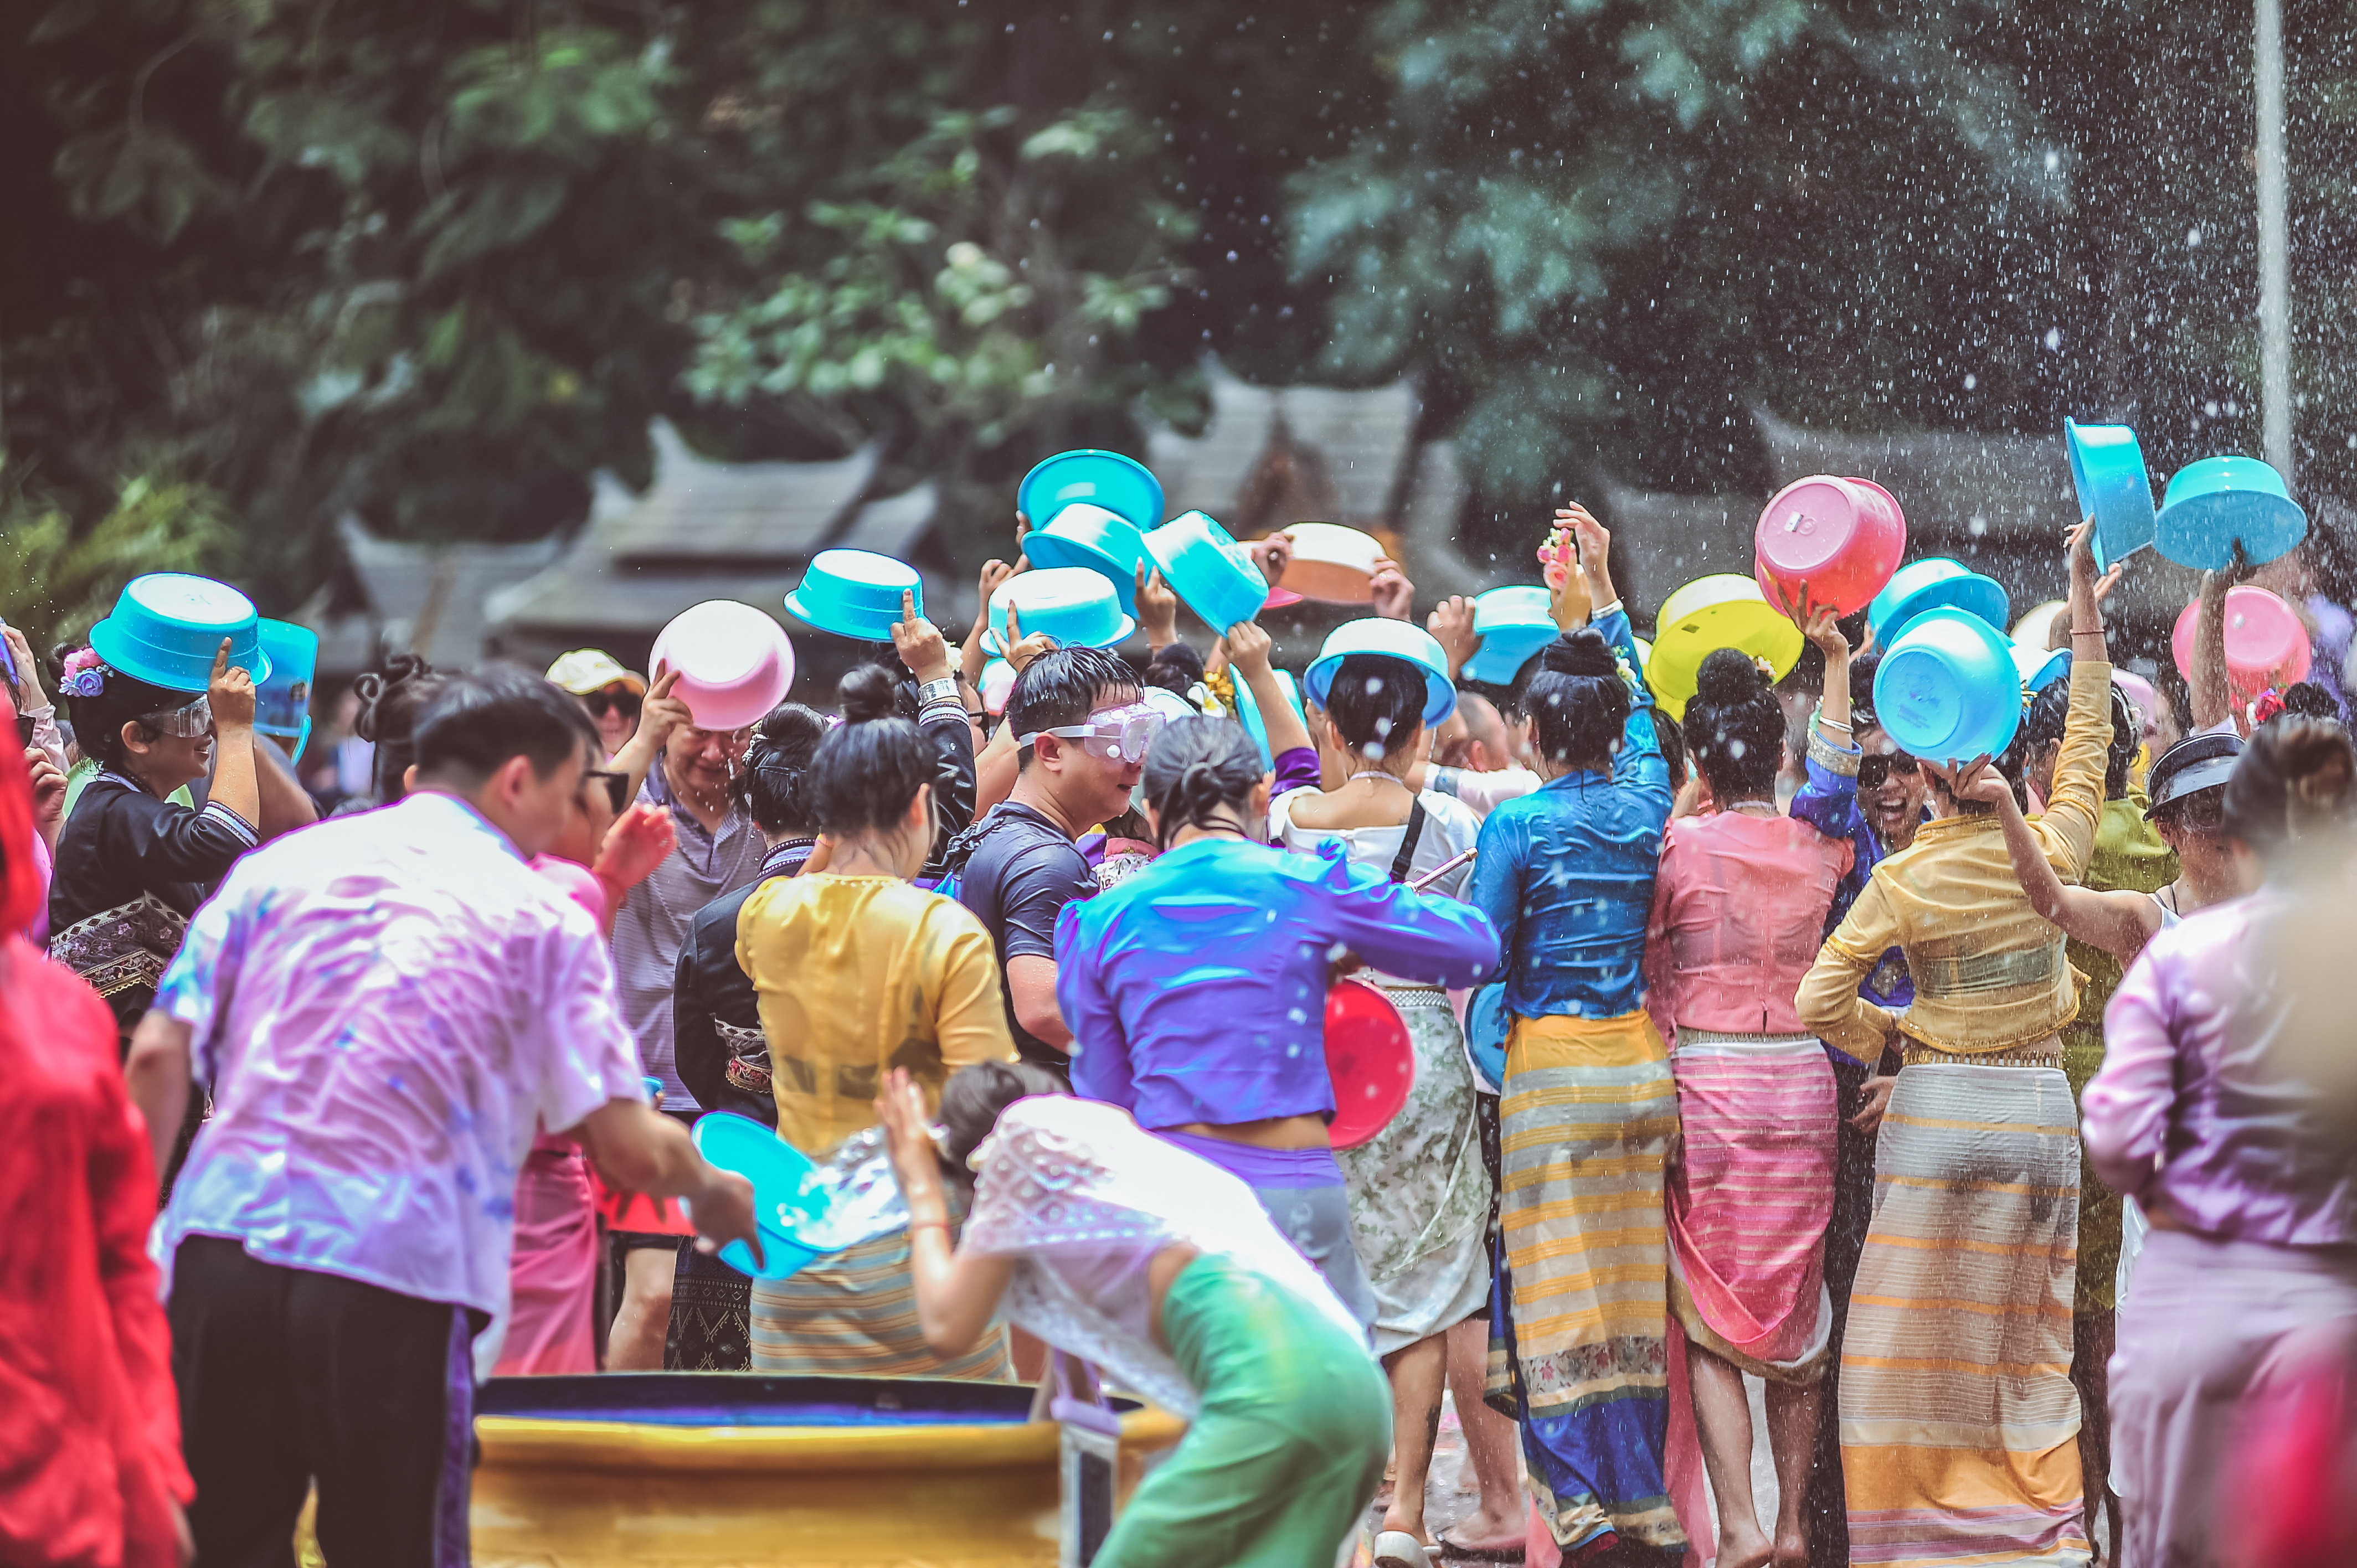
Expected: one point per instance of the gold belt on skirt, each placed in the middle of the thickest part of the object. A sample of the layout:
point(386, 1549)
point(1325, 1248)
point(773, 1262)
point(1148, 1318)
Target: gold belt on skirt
point(2047, 1052)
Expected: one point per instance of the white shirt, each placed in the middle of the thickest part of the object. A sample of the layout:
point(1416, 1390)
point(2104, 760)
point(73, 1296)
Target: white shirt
point(385, 1003)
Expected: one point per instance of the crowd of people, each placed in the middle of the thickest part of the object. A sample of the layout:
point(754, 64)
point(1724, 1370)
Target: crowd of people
point(1973, 1106)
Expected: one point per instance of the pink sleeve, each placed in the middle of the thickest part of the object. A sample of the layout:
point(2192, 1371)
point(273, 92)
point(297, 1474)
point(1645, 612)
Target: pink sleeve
point(577, 882)
point(2125, 1114)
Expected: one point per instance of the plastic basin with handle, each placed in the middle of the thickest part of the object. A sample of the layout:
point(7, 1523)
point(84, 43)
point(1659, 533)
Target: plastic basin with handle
point(1120, 484)
point(2114, 486)
point(1089, 536)
point(2266, 644)
point(788, 1196)
point(1948, 689)
point(1721, 611)
point(1928, 585)
point(735, 662)
point(1839, 538)
point(1074, 606)
point(1392, 640)
point(854, 592)
point(1370, 1058)
point(1514, 623)
point(167, 628)
point(1205, 566)
point(1332, 563)
point(2211, 505)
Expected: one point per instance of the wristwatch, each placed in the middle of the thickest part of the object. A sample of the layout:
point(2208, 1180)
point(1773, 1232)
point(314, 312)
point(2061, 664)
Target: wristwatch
point(944, 690)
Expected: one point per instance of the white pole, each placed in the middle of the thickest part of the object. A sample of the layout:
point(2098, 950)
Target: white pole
point(2274, 280)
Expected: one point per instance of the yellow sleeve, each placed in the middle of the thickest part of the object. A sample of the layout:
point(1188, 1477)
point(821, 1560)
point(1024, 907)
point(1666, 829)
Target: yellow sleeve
point(1829, 1002)
point(2067, 831)
point(971, 1020)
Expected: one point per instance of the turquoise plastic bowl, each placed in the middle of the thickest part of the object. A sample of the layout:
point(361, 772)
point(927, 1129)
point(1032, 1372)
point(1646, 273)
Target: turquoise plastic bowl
point(1123, 486)
point(1086, 534)
point(1513, 624)
point(1394, 639)
point(2107, 470)
point(2212, 503)
point(1948, 688)
point(1072, 605)
point(854, 592)
point(1248, 713)
point(1206, 567)
point(167, 627)
point(1923, 585)
point(283, 702)
point(2040, 669)
point(787, 1194)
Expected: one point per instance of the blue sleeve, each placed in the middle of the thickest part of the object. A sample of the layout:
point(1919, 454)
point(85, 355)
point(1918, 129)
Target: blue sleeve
point(1828, 802)
point(1614, 630)
point(1436, 940)
point(1496, 888)
point(1101, 1067)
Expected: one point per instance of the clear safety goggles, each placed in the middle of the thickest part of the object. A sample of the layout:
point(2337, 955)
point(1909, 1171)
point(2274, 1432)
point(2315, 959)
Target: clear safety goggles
point(186, 723)
point(1117, 735)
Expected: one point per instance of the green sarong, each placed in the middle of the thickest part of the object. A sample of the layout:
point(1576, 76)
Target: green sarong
point(1288, 1448)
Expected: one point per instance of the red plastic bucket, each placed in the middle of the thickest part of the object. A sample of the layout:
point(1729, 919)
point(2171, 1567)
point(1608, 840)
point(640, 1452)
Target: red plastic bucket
point(1371, 1060)
point(1841, 537)
point(2266, 645)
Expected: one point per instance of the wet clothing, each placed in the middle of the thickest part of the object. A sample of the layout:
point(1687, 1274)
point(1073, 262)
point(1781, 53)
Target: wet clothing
point(1016, 871)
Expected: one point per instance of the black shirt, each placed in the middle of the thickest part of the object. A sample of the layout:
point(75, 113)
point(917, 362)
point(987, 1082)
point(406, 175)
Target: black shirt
point(1017, 870)
point(713, 998)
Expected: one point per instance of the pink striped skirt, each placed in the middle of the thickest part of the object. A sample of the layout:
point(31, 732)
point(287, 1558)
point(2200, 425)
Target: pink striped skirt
point(1749, 1199)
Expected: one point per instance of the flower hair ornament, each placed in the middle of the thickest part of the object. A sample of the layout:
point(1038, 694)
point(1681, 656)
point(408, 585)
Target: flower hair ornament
point(85, 673)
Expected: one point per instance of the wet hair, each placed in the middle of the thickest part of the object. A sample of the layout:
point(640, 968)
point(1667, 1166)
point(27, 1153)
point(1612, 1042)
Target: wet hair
point(2043, 723)
point(1861, 681)
point(1673, 754)
point(775, 787)
point(1734, 727)
point(1577, 702)
point(1061, 687)
point(2308, 700)
point(976, 1096)
point(1197, 769)
point(478, 721)
point(99, 720)
point(1376, 702)
point(391, 701)
point(868, 768)
point(2297, 777)
point(1174, 668)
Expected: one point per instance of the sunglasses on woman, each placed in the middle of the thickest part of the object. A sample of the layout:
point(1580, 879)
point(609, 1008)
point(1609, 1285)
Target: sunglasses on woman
point(1872, 771)
point(600, 704)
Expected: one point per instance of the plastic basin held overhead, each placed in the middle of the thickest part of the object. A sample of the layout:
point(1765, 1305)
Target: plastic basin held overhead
point(2211, 504)
point(2266, 644)
point(1208, 569)
point(1839, 538)
point(1514, 623)
point(2038, 667)
point(1721, 611)
point(2107, 470)
point(1929, 585)
point(1332, 563)
point(854, 592)
point(1087, 535)
point(1123, 486)
point(282, 705)
point(167, 628)
point(735, 662)
point(1948, 689)
point(1392, 640)
point(1074, 606)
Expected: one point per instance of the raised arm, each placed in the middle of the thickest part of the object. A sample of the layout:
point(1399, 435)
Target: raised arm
point(1248, 649)
point(2213, 691)
point(957, 1291)
point(2118, 922)
point(2076, 801)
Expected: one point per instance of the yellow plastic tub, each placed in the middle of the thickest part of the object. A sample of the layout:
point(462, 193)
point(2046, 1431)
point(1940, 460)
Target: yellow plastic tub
point(713, 1467)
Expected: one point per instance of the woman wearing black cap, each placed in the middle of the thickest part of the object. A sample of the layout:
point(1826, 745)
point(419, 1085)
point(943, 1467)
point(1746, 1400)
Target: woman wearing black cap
point(2189, 792)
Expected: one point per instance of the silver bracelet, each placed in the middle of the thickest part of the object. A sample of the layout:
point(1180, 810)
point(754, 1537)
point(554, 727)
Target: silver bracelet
point(944, 690)
point(1600, 611)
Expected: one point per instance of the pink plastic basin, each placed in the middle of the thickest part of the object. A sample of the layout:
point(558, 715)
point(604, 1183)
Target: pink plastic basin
point(2265, 644)
point(1840, 537)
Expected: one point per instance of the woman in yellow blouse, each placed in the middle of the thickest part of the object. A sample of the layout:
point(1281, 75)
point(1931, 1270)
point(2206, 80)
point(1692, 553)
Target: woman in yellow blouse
point(858, 972)
point(1959, 1423)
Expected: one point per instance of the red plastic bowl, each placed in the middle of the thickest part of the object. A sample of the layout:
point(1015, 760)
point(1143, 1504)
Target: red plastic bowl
point(1842, 537)
point(1370, 1058)
point(2266, 645)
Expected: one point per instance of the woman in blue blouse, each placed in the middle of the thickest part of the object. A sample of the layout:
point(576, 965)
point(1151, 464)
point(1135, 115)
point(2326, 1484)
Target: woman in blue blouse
point(1566, 875)
point(1196, 988)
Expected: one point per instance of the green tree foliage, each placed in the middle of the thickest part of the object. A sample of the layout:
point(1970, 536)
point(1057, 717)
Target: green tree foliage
point(56, 579)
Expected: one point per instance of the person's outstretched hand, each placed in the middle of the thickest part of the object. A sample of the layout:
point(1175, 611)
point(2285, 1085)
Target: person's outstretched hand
point(1248, 645)
point(1451, 625)
point(1979, 781)
point(918, 642)
point(640, 839)
point(722, 1209)
point(1158, 608)
point(1272, 555)
point(1570, 603)
point(1394, 595)
point(230, 692)
point(661, 713)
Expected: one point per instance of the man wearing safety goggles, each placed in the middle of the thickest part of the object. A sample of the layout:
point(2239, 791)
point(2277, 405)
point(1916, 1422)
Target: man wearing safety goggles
point(1081, 732)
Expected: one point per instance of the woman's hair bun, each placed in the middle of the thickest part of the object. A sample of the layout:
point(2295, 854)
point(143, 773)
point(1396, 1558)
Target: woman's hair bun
point(1726, 677)
point(1582, 652)
point(868, 693)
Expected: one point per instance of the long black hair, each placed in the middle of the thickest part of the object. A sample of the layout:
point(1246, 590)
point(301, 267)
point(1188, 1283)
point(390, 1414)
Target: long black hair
point(869, 768)
point(1734, 727)
point(776, 788)
point(1577, 700)
point(1376, 702)
point(1196, 770)
point(975, 1098)
point(2296, 778)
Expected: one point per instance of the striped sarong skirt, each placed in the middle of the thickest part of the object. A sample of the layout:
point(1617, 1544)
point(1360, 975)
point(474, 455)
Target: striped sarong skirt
point(1749, 1200)
point(1959, 1423)
point(854, 1315)
point(1580, 1314)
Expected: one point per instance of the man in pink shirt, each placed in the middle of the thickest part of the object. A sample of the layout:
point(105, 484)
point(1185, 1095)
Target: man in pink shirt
point(384, 1006)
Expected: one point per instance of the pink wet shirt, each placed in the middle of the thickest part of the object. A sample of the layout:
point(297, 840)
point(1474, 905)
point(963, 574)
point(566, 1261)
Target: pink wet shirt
point(1740, 906)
